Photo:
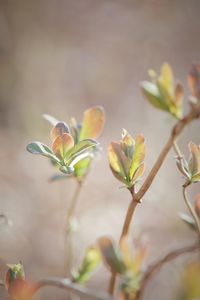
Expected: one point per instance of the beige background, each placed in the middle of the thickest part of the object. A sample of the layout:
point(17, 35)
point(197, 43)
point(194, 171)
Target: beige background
point(61, 57)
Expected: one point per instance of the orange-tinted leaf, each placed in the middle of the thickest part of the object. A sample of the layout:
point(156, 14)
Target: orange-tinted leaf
point(59, 129)
point(93, 123)
point(194, 163)
point(194, 80)
point(20, 290)
point(62, 144)
point(119, 163)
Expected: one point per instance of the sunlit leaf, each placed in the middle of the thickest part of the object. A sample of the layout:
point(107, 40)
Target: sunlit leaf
point(138, 156)
point(62, 144)
point(111, 255)
point(119, 162)
point(93, 123)
point(80, 151)
point(59, 129)
point(194, 163)
point(166, 77)
point(162, 93)
point(127, 144)
point(81, 167)
point(90, 262)
point(152, 94)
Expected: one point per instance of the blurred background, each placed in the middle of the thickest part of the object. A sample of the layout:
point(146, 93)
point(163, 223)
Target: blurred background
point(61, 57)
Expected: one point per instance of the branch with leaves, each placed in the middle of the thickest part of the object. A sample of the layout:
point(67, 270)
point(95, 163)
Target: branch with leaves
point(72, 150)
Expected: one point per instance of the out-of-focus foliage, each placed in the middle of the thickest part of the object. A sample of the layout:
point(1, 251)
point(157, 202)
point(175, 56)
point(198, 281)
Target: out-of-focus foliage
point(191, 282)
point(162, 93)
point(188, 220)
point(18, 288)
point(194, 81)
point(126, 158)
point(90, 128)
point(89, 264)
point(191, 168)
point(121, 260)
point(72, 146)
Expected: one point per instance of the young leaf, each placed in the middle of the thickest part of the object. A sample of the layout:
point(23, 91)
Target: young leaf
point(152, 94)
point(93, 123)
point(42, 149)
point(58, 130)
point(194, 80)
point(62, 144)
point(119, 162)
point(90, 262)
point(138, 157)
point(81, 167)
point(81, 150)
point(111, 255)
point(194, 163)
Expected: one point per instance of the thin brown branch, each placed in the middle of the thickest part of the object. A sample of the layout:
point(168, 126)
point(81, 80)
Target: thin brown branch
point(76, 289)
point(155, 267)
point(136, 197)
point(176, 131)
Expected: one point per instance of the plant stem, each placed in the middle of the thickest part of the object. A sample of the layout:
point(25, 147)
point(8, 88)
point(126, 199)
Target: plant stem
point(136, 197)
point(68, 232)
point(66, 284)
point(155, 267)
point(176, 131)
point(191, 208)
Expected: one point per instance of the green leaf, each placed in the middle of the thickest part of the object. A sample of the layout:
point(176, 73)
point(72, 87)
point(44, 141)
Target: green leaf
point(188, 220)
point(81, 167)
point(194, 163)
point(42, 149)
point(93, 123)
point(111, 255)
point(80, 151)
point(152, 94)
point(138, 157)
point(89, 264)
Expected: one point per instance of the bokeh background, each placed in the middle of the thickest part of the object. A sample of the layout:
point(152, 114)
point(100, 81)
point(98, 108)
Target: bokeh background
point(61, 57)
